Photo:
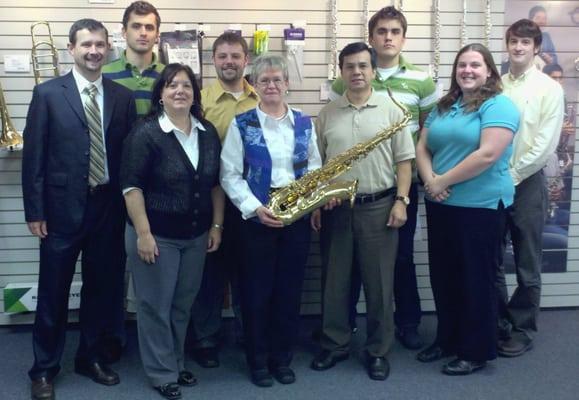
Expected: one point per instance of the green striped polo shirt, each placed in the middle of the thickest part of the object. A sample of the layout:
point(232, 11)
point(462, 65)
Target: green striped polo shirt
point(141, 83)
point(410, 85)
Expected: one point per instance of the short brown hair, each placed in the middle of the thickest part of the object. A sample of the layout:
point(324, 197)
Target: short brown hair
point(141, 8)
point(230, 38)
point(90, 25)
point(387, 13)
point(525, 28)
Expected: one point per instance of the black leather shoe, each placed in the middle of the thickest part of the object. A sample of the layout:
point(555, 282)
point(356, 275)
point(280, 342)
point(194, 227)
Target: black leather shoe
point(327, 359)
point(42, 389)
point(378, 368)
point(432, 353)
point(462, 367)
point(186, 378)
point(261, 378)
point(283, 375)
point(169, 391)
point(206, 357)
point(514, 347)
point(100, 373)
point(409, 338)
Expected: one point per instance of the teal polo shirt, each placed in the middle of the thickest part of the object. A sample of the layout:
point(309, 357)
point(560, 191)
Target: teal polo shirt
point(454, 135)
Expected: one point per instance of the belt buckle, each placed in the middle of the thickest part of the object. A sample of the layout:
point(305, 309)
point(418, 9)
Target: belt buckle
point(366, 198)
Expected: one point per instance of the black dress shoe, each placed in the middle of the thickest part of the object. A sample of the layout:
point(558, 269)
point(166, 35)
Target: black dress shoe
point(42, 389)
point(169, 390)
point(261, 377)
point(462, 367)
point(207, 357)
point(378, 368)
point(283, 375)
point(100, 373)
point(514, 347)
point(409, 338)
point(432, 353)
point(186, 378)
point(327, 359)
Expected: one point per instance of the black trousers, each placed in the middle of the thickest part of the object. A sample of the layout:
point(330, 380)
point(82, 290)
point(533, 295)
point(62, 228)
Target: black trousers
point(221, 267)
point(271, 281)
point(101, 315)
point(463, 245)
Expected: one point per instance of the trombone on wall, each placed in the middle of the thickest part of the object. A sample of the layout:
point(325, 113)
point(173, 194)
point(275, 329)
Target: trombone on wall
point(44, 53)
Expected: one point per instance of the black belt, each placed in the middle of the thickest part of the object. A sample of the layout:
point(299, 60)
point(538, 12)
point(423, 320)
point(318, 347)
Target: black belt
point(92, 190)
point(370, 198)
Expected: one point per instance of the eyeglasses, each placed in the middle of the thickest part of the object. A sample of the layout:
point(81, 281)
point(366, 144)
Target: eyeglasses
point(278, 82)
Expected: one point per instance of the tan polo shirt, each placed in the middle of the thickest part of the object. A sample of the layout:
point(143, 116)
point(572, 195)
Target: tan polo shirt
point(341, 125)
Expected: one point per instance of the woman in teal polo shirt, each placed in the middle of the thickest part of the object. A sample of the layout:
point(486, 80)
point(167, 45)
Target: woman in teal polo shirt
point(463, 158)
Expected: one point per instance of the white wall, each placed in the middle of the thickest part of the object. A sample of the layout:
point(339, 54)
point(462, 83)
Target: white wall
point(19, 250)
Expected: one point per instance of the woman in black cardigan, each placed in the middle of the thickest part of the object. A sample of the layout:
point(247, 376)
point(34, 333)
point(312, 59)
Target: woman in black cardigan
point(170, 180)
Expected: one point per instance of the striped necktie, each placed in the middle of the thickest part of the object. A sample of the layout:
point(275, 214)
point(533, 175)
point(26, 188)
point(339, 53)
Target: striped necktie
point(97, 155)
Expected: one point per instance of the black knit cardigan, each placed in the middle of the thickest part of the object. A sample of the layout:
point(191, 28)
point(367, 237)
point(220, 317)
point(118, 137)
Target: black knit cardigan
point(177, 196)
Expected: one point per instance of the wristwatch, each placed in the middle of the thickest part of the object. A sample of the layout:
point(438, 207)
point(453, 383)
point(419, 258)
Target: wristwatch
point(403, 199)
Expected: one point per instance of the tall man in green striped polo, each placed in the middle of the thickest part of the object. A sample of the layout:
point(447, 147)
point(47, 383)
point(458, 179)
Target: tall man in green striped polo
point(416, 90)
point(138, 67)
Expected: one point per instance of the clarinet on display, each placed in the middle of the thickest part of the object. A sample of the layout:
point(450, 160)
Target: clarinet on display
point(463, 35)
point(488, 25)
point(42, 50)
point(315, 189)
point(10, 139)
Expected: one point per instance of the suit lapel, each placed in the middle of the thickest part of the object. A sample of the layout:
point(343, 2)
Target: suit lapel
point(72, 96)
point(108, 103)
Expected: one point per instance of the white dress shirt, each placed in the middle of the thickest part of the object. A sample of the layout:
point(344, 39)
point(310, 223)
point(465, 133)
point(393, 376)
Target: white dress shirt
point(190, 143)
point(280, 140)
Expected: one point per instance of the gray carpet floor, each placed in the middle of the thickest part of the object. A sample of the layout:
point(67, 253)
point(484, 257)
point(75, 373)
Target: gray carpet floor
point(549, 372)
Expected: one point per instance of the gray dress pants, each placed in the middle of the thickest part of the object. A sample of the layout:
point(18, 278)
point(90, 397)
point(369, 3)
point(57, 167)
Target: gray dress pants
point(359, 232)
point(165, 292)
point(525, 222)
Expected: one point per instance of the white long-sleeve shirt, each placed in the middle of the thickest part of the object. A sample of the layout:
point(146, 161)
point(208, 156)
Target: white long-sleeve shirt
point(541, 103)
point(280, 140)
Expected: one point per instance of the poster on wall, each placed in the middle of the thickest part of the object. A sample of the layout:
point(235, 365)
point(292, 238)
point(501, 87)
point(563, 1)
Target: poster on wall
point(559, 21)
point(183, 47)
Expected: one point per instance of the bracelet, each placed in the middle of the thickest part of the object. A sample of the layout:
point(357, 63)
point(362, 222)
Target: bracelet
point(217, 226)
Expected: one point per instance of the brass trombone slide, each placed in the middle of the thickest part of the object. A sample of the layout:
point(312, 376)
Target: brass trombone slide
point(10, 139)
point(42, 50)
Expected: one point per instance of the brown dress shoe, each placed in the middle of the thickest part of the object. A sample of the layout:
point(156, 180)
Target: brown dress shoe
point(514, 347)
point(42, 389)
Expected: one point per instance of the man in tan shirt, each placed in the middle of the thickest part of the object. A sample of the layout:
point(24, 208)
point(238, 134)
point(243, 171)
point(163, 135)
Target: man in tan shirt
point(369, 230)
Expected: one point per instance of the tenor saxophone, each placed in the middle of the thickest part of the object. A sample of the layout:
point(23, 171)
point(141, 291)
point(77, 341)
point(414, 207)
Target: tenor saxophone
point(315, 188)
